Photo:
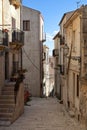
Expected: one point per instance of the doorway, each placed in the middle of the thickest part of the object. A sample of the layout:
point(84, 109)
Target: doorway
point(73, 89)
point(6, 65)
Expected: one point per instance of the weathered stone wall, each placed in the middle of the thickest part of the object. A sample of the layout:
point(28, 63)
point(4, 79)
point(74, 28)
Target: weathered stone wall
point(83, 101)
point(2, 72)
point(19, 109)
point(32, 49)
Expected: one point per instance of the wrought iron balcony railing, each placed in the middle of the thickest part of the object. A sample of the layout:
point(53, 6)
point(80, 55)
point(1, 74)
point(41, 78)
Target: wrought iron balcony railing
point(62, 40)
point(17, 37)
point(3, 38)
point(55, 52)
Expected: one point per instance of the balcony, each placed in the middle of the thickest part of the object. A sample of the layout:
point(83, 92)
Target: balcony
point(15, 3)
point(62, 40)
point(17, 38)
point(44, 56)
point(43, 37)
point(55, 52)
point(3, 39)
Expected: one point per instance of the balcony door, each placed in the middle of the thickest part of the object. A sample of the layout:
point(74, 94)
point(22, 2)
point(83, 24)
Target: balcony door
point(13, 23)
point(6, 65)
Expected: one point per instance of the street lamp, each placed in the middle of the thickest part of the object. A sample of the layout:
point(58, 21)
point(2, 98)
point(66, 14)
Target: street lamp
point(66, 49)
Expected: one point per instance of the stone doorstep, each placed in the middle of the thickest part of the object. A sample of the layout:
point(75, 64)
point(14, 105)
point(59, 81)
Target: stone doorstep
point(7, 92)
point(10, 84)
point(7, 105)
point(5, 101)
point(7, 96)
point(6, 115)
point(6, 110)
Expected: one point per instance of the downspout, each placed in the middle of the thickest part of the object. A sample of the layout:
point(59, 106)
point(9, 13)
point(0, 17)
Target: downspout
point(41, 86)
point(81, 70)
point(21, 60)
point(2, 16)
point(21, 47)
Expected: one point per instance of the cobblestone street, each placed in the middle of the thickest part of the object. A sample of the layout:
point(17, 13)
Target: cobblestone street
point(44, 114)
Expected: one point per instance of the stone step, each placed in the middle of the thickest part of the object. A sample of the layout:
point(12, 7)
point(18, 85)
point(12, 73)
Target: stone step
point(8, 92)
point(6, 110)
point(5, 101)
point(7, 105)
point(5, 119)
point(8, 89)
point(6, 115)
point(10, 84)
point(7, 96)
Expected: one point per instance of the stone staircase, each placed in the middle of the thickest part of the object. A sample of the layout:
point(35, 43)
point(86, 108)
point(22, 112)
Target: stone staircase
point(7, 104)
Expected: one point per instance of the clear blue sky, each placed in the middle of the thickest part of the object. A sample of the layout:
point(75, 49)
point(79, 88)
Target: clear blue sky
point(52, 11)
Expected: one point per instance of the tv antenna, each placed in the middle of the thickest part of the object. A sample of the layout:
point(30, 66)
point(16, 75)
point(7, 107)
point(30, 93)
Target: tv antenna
point(78, 2)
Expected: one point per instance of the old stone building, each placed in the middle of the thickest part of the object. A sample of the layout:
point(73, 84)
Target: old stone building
point(56, 55)
point(11, 42)
point(48, 72)
point(32, 24)
point(52, 88)
point(73, 29)
point(45, 70)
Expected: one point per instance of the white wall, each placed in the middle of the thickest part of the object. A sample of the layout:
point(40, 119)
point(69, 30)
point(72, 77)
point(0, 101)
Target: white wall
point(32, 46)
point(8, 11)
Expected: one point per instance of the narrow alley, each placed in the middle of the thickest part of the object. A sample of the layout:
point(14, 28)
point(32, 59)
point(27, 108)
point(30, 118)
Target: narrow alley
point(44, 114)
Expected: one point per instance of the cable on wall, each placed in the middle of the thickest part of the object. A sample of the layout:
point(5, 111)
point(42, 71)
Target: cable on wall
point(30, 60)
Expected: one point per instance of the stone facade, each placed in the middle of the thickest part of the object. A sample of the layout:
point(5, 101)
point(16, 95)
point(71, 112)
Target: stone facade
point(8, 13)
point(48, 73)
point(45, 71)
point(73, 81)
point(75, 62)
point(11, 42)
point(32, 52)
point(51, 76)
point(57, 65)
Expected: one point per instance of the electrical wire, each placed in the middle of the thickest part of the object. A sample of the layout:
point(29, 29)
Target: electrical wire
point(30, 60)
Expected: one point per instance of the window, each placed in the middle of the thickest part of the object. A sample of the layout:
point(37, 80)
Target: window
point(74, 40)
point(74, 94)
point(13, 23)
point(26, 25)
point(77, 85)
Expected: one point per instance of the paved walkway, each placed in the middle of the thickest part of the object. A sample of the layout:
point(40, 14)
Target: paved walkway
point(44, 114)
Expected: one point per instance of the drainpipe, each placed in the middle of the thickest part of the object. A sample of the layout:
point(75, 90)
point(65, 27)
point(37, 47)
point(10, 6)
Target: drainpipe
point(21, 60)
point(81, 51)
point(20, 29)
point(2, 16)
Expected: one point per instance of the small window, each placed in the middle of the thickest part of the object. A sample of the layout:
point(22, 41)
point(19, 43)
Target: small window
point(74, 40)
point(26, 25)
